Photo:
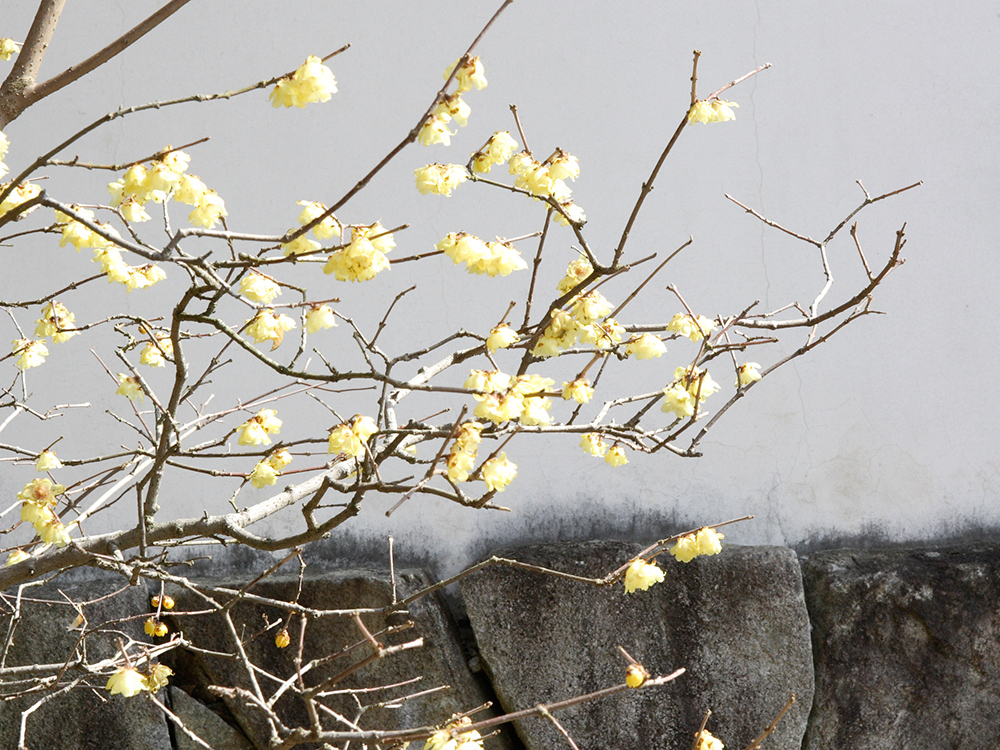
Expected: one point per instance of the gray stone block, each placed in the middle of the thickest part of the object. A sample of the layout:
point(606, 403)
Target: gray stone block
point(907, 646)
point(205, 723)
point(439, 662)
point(737, 621)
point(84, 718)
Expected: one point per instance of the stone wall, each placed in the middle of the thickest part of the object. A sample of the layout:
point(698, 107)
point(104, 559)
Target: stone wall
point(887, 649)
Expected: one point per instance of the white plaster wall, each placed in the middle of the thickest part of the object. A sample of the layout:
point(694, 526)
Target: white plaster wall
point(891, 427)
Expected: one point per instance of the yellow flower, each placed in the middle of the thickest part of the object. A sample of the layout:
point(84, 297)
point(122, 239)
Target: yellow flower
point(564, 165)
point(279, 459)
point(724, 110)
point(616, 456)
point(53, 532)
point(255, 430)
point(501, 337)
point(30, 353)
point(579, 390)
point(704, 542)
point(747, 373)
point(18, 555)
point(153, 353)
point(8, 48)
point(635, 676)
point(327, 228)
point(574, 214)
point(210, 209)
point(157, 678)
point(266, 326)
point(440, 178)
point(41, 491)
point(129, 387)
point(697, 383)
point(134, 211)
point(576, 272)
point(469, 75)
point(36, 515)
point(603, 335)
point(259, 288)
point(168, 602)
point(706, 741)
point(701, 111)
point(263, 474)
point(364, 257)
point(319, 318)
point(453, 106)
point(463, 453)
point(498, 473)
point(350, 437)
point(645, 346)
point(488, 381)
point(190, 190)
point(676, 399)
point(694, 329)
point(156, 628)
point(301, 244)
point(593, 443)
point(435, 130)
point(641, 575)
point(57, 322)
point(312, 82)
point(282, 639)
point(126, 681)
point(21, 194)
point(498, 150)
point(47, 461)
point(588, 307)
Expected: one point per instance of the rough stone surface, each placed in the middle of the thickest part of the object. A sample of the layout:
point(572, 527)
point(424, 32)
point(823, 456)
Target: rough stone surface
point(907, 648)
point(440, 661)
point(81, 719)
point(737, 621)
point(205, 723)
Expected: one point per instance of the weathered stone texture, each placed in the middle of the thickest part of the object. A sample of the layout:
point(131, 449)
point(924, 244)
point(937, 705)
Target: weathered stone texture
point(907, 648)
point(81, 719)
point(736, 621)
point(440, 661)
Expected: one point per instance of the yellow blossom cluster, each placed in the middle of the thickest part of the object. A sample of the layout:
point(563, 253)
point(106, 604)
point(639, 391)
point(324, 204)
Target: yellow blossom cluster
point(130, 681)
point(351, 437)
point(440, 179)
point(594, 444)
point(166, 177)
point(582, 323)
point(641, 575)
point(491, 258)
point(266, 472)
point(498, 472)
point(504, 399)
point(324, 230)
point(155, 352)
point(79, 235)
point(548, 180)
point(463, 452)
point(501, 337)
point(56, 322)
point(21, 194)
point(704, 542)
point(312, 82)
point(167, 602)
point(747, 373)
point(40, 496)
point(282, 639)
point(576, 271)
point(717, 110)
point(155, 627)
point(266, 326)
point(8, 48)
point(694, 328)
point(690, 385)
point(319, 318)
point(452, 107)
point(30, 353)
point(256, 430)
point(498, 150)
point(453, 738)
point(645, 346)
point(579, 390)
point(364, 258)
